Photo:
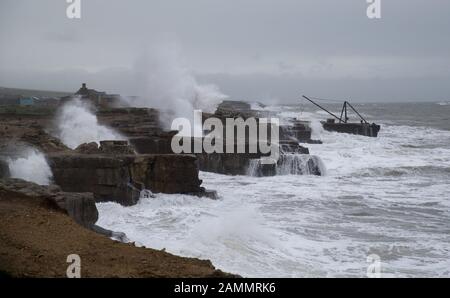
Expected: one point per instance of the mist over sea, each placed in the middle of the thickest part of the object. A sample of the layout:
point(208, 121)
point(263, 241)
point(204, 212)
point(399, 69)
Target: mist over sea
point(388, 196)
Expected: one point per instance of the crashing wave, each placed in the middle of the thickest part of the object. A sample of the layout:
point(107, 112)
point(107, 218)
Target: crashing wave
point(288, 164)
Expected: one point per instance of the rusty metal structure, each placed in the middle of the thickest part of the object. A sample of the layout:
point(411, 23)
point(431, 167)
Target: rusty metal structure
point(363, 128)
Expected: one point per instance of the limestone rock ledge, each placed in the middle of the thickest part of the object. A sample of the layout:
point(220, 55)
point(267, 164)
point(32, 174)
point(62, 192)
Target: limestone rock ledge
point(37, 235)
point(120, 178)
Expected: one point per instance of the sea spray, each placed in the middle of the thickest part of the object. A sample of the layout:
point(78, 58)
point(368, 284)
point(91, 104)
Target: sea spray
point(162, 82)
point(77, 124)
point(146, 193)
point(316, 129)
point(288, 164)
point(31, 166)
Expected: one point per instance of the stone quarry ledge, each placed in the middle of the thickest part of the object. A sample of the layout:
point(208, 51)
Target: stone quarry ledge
point(37, 235)
point(120, 178)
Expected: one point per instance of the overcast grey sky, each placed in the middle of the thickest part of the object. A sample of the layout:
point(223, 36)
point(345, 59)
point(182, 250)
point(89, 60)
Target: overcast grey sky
point(269, 50)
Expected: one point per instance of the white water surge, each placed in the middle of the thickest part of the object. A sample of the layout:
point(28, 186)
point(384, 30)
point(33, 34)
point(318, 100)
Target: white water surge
point(163, 82)
point(290, 164)
point(386, 196)
point(31, 166)
point(77, 124)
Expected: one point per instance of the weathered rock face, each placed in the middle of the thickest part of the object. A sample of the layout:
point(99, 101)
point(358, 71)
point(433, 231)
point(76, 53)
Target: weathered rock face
point(223, 163)
point(4, 169)
point(121, 178)
point(79, 206)
point(141, 126)
point(238, 164)
point(299, 131)
point(245, 164)
point(147, 136)
point(153, 145)
point(168, 173)
point(106, 177)
point(88, 148)
point(40, 139)
point(106, 147)
point(236, 109)
point(30, 131)
point(131, 121)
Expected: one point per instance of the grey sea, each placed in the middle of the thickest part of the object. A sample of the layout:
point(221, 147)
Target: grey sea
point(387, 196)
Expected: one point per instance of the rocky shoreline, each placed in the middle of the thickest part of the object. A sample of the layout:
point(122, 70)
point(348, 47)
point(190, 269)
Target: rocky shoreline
point(41, 220)
point(39, 231)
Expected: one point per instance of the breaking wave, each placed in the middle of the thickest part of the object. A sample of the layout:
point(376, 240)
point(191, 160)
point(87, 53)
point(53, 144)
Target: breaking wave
point(288, 164)
point(77, 124)
point(386, 196)
point(31, 166)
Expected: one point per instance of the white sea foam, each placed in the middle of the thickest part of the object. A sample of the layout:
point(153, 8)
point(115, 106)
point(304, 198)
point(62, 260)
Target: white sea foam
point(163, 82)
point(290, 164)
point(31, 166)
point(386, 195)
point(316, 129)
point(77, 124)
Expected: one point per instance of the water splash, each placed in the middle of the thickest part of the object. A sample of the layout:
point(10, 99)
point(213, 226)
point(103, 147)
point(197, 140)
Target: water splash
point(31, 167)
point(288, 164)
point(163, 82)
point(77, 124)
